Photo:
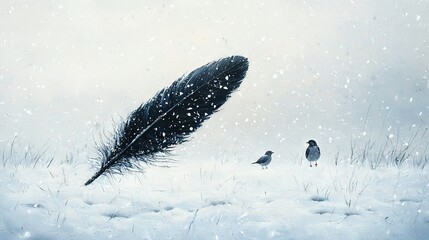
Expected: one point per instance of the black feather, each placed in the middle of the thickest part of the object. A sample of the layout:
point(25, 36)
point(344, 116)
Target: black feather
point(171, 115)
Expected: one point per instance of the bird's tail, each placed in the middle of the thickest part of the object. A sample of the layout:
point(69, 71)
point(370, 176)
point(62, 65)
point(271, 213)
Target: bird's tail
point(255, 163)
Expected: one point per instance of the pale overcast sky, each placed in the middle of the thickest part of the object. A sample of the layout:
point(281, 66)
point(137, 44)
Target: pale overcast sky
point(326, 70)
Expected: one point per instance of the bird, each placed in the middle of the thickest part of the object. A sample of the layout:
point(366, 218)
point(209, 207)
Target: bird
point(264, 160)
point(313, 152)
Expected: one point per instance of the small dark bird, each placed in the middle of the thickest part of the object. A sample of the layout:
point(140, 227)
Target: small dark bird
point(264, 160)
point(313, 152)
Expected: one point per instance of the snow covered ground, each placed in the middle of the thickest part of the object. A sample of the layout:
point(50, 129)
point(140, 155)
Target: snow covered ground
point(215, 199)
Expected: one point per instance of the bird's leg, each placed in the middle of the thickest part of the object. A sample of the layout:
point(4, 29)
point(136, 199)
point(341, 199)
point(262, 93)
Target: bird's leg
point(315, 164)
point(310, 165)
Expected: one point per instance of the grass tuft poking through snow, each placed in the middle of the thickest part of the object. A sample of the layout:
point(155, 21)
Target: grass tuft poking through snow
point(390, 152)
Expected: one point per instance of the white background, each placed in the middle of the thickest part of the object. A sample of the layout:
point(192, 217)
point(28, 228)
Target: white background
point(326, 70)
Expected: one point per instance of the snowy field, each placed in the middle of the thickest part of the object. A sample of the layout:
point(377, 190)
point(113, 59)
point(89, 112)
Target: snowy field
point(224, 198)
point(353, 75)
